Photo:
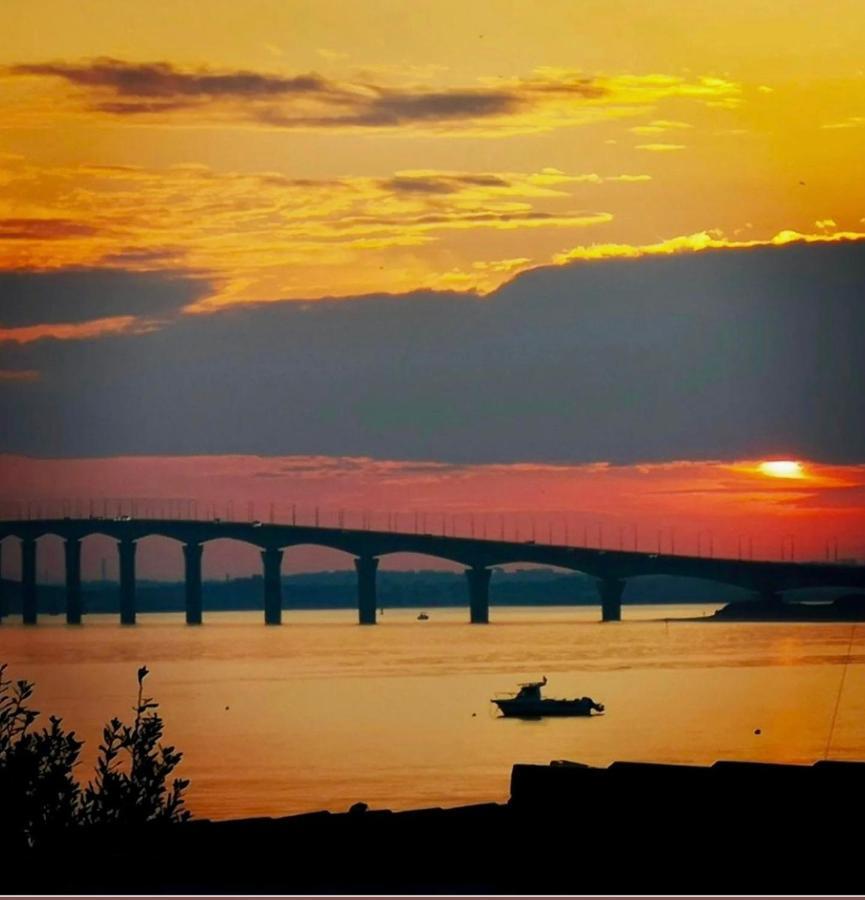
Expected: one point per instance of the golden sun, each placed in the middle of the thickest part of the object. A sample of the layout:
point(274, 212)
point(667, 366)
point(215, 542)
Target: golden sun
point(782, 468)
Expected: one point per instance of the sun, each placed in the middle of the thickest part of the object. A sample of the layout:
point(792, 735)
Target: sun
point(782, 468)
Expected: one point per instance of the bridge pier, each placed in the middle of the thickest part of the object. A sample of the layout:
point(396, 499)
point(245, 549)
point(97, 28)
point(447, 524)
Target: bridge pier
point(192, 565)
point(272, 559)
point(611, 590)
point(126, 551)
point(28, 581)
point(366, 567)
point(479, 594)
point(72, 552)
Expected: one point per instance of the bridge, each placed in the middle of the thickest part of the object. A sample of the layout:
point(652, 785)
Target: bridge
point(610, 568)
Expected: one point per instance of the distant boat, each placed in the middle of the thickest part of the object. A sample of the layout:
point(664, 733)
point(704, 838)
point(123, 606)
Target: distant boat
point(528, 703)
point(422, 617)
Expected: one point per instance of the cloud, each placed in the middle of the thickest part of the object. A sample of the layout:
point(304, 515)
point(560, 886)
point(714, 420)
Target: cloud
point(547, 99)
point(78, 297)
point(264, 235)
point(433, 183)
point(438, 222)
point(77, 331)
point(18, 375)
point(43, 229)
point(720, 354)
point(393, 109)
point(660, 126)
point(630, 178)
point(699, 241)
point(849, 498)
point(161, 81)
point(849, 122)
point(661, 148)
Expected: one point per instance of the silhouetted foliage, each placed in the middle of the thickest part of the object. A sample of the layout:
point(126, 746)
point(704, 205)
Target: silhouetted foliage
point(39, 794)
point(36, 784)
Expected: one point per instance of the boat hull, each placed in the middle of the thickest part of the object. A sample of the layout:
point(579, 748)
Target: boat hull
point(534, 709)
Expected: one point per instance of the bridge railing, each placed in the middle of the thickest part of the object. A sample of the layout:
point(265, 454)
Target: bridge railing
point(562, 528)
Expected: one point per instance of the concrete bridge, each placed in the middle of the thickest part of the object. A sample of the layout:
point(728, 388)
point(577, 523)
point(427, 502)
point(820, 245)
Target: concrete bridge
point(611, 568)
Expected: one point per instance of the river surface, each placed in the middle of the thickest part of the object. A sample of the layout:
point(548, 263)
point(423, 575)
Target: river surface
point(321, 713)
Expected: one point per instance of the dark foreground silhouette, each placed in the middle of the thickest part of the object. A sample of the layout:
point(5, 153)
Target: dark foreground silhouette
point(41, 800)
point(731, 828)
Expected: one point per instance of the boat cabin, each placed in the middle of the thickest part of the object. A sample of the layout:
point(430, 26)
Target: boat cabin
point(531, 690)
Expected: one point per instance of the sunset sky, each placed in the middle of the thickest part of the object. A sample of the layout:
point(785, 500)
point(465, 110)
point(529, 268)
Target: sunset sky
point(588, 261)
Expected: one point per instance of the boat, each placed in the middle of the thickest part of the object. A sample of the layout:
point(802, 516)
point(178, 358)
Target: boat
point(422, 617)
point(528, 703)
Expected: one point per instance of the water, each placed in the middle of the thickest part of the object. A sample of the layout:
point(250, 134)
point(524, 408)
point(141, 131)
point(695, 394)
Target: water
point(321, 713)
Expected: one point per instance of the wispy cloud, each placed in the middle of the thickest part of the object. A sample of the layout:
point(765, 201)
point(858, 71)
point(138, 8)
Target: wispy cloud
point(849, 122)
point(253, 233)
point(74, 331)
point(703, 240)
point(19, 375)
point(660, 126)
point(47, 229)
point(162, 82)
point(547, 99)
point(661, 148)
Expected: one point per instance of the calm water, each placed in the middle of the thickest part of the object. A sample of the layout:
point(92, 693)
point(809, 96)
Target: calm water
point(322, 713)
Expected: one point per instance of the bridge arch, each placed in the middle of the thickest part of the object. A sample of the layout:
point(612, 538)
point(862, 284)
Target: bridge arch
point(612, 569)
point(332, 559)
point(198, 561)
point(323, 548)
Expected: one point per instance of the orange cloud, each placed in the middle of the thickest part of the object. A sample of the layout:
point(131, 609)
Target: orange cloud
point(659, 126)
point(46, 229)
point(703, 240)
point(268, 236)
point(260, 236)
point(71, 331)
point(19, 375)
point(661, 148)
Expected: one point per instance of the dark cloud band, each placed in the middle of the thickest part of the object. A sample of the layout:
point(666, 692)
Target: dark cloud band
point(81, 295)
point(120, 88)
point(721, 354)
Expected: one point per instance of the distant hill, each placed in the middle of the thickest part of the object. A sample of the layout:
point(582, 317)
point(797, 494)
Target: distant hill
point(337, 590)
point(848, 608)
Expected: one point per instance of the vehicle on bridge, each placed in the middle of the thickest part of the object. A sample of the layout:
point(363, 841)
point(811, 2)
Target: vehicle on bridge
point(528, 703)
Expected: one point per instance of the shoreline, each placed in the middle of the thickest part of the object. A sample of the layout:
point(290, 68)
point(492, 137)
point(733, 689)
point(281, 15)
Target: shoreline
point(629, 828)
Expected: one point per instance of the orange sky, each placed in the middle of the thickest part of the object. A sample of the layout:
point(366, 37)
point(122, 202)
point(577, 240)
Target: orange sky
point(300, 149)
point(288, 149)
point(725, 508)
